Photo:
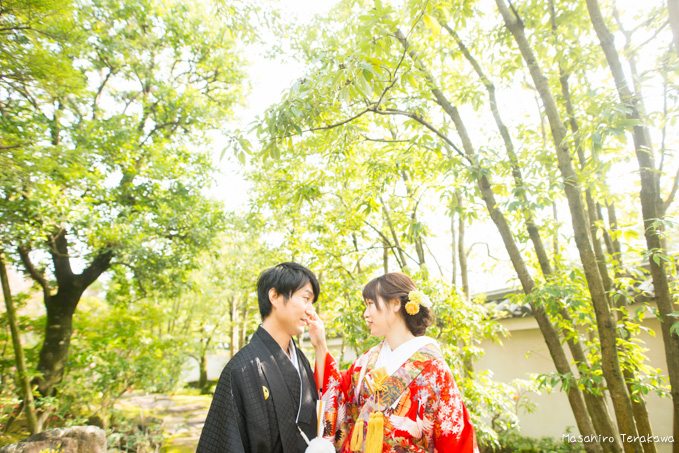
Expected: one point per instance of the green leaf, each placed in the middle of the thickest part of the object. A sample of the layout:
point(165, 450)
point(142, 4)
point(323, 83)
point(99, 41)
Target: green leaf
point(432, 24)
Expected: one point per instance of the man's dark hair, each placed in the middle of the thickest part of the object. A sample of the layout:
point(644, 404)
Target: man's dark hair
point(285, 278)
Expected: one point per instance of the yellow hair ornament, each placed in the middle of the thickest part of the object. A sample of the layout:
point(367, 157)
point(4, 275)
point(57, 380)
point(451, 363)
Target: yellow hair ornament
point(417, 299)
point(412, 308)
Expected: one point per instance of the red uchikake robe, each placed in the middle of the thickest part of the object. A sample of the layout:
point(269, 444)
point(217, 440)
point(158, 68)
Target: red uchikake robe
point(422, 406)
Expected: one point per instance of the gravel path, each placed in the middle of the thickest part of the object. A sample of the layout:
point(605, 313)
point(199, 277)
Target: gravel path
point(183, 417)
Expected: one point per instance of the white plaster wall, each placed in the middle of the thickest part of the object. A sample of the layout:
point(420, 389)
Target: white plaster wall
point(524, 352)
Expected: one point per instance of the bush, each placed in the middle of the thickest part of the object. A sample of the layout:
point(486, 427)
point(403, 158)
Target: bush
point(139, 435)
point(511, 441)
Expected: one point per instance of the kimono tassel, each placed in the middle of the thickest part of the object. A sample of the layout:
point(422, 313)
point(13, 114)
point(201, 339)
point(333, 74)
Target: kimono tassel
point(357, 436)
point(373, 442)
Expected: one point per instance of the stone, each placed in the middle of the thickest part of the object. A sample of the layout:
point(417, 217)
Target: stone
point(76, 439)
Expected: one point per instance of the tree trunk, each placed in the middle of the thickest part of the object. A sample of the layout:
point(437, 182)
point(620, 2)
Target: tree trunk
point(26, 390)
point(400, 258)
point(58, 330)
point(551, 338)
point(594, 209)
point(673, 13)
point(555, 238)
point(244, 324)
point(61, 306)
point(358, 255)
point(203, 384)
point(417, 237)
point(613, 226)
point(640, 414)
point(519, 183)
point(234, 326)
point(385, 255)
point(462, 251)
point(596, 405)
point(575, 397)
point(605, 323)
point(453, 247)
point(652, 206)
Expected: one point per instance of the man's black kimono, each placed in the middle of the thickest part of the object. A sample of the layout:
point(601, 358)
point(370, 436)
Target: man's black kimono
point(256, 400)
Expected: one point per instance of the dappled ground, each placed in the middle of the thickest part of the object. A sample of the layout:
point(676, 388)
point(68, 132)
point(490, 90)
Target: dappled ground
point(182, 417)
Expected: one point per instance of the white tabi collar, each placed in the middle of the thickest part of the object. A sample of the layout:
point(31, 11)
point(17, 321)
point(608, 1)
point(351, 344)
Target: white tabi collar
point(393, 360)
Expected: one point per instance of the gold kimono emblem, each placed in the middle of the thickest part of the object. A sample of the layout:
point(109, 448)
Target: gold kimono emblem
point(266, 393)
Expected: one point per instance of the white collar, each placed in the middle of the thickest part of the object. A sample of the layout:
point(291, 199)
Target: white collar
point(292, 354)
point(393, 360)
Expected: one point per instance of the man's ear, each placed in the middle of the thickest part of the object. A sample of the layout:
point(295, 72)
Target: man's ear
point(273, 297)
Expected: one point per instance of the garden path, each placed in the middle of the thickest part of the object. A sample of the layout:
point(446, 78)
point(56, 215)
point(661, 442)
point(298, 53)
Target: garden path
point(182, 417)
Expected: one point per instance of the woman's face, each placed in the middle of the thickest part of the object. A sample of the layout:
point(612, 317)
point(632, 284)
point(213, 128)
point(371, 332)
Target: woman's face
point(380, 321)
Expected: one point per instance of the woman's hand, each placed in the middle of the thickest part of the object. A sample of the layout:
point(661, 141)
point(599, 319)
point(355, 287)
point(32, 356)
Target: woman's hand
point(317, 334)
point(317, 337)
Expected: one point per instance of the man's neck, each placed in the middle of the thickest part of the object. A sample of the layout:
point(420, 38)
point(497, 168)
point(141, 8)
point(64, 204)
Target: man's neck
point(278, 334)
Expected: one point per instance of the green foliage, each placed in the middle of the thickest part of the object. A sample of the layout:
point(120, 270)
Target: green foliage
point(140, 434)
point(114, 157)
point(114, 350)
point(512, 441)
point(360, 157)
point(107, 113)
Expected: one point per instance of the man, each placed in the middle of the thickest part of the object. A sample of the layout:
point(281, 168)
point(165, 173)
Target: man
point(266, 395)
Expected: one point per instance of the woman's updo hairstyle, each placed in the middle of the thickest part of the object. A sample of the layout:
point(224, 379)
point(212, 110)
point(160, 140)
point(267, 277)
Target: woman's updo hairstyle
point(396, 285)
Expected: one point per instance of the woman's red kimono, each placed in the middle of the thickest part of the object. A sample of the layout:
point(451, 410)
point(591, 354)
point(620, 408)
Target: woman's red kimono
point(422, 406)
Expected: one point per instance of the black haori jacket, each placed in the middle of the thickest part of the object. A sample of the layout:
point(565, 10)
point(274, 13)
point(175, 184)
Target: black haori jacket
point(256, 400)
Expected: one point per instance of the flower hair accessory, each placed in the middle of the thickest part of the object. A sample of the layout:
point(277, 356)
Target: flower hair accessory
point(416, 299)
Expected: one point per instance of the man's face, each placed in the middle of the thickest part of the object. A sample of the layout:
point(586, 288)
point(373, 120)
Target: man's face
point(292, 315)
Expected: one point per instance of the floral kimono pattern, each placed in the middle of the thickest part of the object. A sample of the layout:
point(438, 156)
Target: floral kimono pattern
point(333, 400)
point(422, 407)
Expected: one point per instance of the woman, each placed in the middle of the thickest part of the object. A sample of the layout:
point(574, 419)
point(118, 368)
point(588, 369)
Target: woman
point(400, 395)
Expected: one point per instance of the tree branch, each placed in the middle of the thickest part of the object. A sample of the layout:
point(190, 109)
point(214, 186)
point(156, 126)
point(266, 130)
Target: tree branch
point(99, 91)
point(426, 124)
point(673, 192)
point(372, 107)
point(35, 274)
point(433, 256)
point(134, 273)
point(19, 145)
point(341, 123)
point(58, 248)
point(100, 263)
point(469, 250)
point(384, 140)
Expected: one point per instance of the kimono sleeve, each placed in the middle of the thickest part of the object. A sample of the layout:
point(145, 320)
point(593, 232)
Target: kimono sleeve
point(453, 431)
point(333, 397)
point(224, 428)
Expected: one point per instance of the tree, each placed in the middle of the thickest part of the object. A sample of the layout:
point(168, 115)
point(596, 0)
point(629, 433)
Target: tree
point(653, 207)
point(112, 170)
point(393, 69)
point(23, 378)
